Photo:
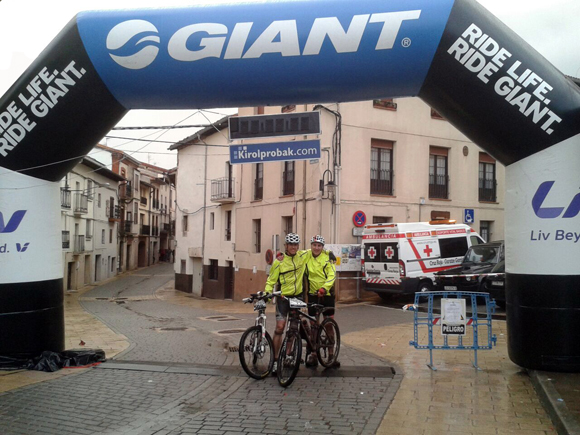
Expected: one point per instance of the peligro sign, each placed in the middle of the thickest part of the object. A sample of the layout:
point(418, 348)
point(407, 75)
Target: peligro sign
point(279, 37)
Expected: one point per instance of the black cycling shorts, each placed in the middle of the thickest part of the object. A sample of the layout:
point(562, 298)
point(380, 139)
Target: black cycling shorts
point(327, 301)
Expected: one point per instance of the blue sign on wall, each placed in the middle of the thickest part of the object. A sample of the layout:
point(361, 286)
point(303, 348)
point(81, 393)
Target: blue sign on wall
point(468, 216)
point(276, 151)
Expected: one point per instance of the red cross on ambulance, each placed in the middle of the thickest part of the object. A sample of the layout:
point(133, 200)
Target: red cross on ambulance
point(389, 252)
point(428, 251)
point(372, 253)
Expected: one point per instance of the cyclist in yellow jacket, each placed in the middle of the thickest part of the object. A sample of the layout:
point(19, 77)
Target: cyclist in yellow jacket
point(288, 273)
point(321, 275)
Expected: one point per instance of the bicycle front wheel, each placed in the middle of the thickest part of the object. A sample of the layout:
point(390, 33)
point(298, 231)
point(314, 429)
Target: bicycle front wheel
point(289, 358)
point(256, 353)
point(328, 342)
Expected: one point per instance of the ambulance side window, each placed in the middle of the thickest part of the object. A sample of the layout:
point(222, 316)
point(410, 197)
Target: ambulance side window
point(453, 247)
point(476, 240)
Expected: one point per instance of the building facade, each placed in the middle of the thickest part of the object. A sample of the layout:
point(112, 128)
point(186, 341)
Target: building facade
point(147, 209)
point(90, 217)
point(394, 160)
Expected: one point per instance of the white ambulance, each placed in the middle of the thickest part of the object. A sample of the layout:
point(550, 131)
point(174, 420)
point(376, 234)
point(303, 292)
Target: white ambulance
point(402, 258)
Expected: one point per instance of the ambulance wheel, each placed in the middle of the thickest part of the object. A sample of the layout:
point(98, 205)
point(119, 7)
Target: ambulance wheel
point(425, 286)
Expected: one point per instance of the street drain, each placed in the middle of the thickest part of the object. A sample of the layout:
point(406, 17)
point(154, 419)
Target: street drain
point(230, 331)
point(234, 349)
point(221, 318)
point(177, 328)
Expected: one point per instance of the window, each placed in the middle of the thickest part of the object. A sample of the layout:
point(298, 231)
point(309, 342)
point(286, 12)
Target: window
point(257, 235)
point(211, 220)
point(135, 212)
point(137, 187)
point(288, 179)
point(213, 269)
point(287, 225)
point(385, 103)
point(107, 209)
point(259, 181)
point(110, 236)
point(89, 229)
point(382, 219)
point(183, 267)
point(113, 264)
point(90, 189)
point(438, 179)
point(99, 200)
point(485, 230)
point(381, 167)
point(102, 237)
point(487, 182)
point(453, 247)
point(129, 216)
point(228, 225)
point(185, 223)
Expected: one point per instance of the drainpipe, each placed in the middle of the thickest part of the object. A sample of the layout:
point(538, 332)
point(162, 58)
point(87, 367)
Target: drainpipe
point(204, 217)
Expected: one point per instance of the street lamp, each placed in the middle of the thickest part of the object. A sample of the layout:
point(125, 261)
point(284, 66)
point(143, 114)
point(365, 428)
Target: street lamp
point(330, 185)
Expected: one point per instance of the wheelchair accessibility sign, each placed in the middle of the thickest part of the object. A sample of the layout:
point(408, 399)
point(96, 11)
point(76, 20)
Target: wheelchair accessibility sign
point(453, 317)
point(468, 216)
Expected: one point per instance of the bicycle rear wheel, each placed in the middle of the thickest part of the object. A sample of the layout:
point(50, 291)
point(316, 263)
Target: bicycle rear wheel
point(328, 342)
point(289, 358)
point(256, 353)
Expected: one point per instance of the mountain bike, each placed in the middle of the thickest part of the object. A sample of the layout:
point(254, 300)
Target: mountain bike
point(256, 350)
point(323, 337)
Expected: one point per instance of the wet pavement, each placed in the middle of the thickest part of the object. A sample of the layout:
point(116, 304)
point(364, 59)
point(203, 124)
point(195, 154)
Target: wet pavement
point(173, 369)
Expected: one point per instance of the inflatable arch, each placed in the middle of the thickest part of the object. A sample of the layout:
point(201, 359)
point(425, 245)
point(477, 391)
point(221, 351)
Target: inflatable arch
point(454, 55)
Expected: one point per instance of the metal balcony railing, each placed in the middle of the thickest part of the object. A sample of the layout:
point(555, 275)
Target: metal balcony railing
point(487, 190)
point(64, 198)
point(143, 200)
point(166, 228)
point(114, 213)
point(65, 239)
point(438, 186)
point(127, 190)
point(222, 190)
point(128, 227)
point(81, 203)
point(154, 231)
point(79, 243)
point(382, 185)
point(145, 230)
point(258, 188)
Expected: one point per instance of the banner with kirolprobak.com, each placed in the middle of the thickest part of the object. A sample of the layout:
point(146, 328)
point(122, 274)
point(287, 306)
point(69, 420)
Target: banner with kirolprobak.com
point(275, 151)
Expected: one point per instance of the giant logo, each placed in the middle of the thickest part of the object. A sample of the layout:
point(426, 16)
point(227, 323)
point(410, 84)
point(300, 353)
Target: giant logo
point(131, 35)
point(13, 223)
point(279, 37)
point(553, 212)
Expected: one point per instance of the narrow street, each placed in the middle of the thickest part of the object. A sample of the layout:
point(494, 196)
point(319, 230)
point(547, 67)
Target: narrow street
point(181, 375)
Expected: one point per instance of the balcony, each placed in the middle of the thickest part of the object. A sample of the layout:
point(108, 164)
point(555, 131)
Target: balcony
point(166, 228)
point(65, 239)
point(114, 213)
point(65, 198)
point(79, 244)
point(155, 203)
point(143, 200)
point(222, 190)
point(81, 204)
point(128, 227)
point(438, 186)
point(383, 184)
point(145, 230)
point(487, 190)
point(155, 231)
point(127, 190)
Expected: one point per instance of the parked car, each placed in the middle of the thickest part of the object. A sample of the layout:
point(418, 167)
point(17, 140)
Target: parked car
point(474, 272)
point(495, 284)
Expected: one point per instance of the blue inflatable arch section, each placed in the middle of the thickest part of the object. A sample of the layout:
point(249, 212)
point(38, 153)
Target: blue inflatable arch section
point(453, 54)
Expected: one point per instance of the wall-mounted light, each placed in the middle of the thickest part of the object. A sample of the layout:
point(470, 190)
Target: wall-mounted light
point(329, 186)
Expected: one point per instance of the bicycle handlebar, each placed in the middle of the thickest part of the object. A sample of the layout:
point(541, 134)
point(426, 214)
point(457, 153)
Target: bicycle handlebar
point(261, 296)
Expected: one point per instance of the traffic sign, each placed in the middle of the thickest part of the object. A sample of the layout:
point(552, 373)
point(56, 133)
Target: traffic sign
point(359, 218)
point(468, 216)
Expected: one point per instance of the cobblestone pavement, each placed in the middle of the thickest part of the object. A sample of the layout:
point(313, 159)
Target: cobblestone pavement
point(179, 376)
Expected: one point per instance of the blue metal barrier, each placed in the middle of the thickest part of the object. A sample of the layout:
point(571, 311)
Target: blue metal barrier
point(474, 318)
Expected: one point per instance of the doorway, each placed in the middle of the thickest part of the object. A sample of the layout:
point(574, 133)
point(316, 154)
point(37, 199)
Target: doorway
point(229, 280)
